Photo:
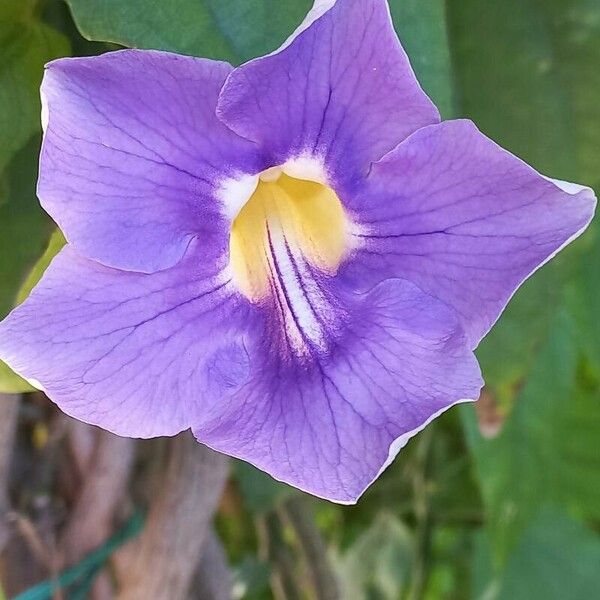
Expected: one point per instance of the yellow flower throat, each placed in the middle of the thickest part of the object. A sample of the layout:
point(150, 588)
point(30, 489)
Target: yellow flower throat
point(298, 218)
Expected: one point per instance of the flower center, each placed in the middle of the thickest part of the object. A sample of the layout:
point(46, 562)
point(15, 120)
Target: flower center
point(287, 226)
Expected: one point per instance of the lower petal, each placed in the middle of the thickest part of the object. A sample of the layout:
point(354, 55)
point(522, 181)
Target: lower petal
point(330, 423)
point(137, 354)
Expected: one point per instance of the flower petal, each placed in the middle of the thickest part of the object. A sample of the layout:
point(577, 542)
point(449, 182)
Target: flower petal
point(330, 424)
point(463, 219)
point(137, 354)
point(340, 89)
point(133, 154)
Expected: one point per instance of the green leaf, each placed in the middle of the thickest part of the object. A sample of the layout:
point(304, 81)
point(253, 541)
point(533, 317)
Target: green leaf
point(236, 30)
point(251, 579)
point(260, 491)
point(25, 231)
point(574, 28)
point(25, 46)
point(378, 564)
point(421, 25)
point(548, 449)
point(57, 241)
point(484, 583)
point(13, 11)
point(584, 302)
point(508, 352)
point(9, 381)
point(527, 74)
point(509, 83)
point(556, 558)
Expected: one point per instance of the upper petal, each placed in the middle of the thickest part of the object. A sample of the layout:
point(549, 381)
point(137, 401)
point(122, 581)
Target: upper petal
point(138, 354)
point(340, 89)
point(464, 219)
point(133, 154)
point(330, 420)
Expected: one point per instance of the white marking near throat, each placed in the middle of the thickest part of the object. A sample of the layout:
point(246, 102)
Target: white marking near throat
point(306, 166)
point(234, 192)
point(289, 232)
point(296, 291)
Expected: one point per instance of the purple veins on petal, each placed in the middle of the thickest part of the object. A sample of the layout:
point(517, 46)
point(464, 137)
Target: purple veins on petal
point(131, 352)
point(464, 219)
point(341, 89)
point(293, 258)
point(133, 153)
point(329, 424)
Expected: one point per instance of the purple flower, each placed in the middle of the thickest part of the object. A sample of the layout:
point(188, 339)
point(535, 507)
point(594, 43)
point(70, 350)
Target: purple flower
point(294, 258)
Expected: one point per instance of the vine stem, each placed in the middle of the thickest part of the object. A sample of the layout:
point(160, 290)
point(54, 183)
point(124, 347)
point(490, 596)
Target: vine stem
point(212, 580)
point(423, 516)
point(298, 511)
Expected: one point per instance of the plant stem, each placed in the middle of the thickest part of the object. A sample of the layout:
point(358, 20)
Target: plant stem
point(298, 511)
point(424, 523)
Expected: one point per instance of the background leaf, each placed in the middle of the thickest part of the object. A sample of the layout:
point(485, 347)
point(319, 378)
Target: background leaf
point(236, 30)
point(260, 491)
point(57, 241)
point(378, 564)
point(11, 383)
point(548, 450)
point(25, 231)
point(25, 46)
point(422, 28)
point(556, 558)
point(526, 73)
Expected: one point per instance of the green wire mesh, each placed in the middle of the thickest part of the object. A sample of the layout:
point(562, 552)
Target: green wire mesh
point(78, 579)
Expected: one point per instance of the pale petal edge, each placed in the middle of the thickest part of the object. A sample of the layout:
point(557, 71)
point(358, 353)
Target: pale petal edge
point(395, 447)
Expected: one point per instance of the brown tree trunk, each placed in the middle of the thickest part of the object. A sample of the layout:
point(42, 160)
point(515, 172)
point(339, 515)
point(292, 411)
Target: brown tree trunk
point(104, 462)
point(163, 561)
point(212, 580)
point(9, 411)
point(102, 490)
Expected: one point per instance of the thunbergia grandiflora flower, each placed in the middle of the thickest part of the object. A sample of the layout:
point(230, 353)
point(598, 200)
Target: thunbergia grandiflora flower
point(293, 258)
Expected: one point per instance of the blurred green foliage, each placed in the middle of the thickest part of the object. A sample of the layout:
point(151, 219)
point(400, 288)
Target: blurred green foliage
point(25, 45)
point(547, 453)
point(555, 558)
point(379, 562)
point(509, 511)
point(25, 230)
point(236, 30)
